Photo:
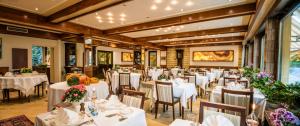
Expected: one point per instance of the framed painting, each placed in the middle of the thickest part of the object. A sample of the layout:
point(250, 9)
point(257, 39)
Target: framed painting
point(214, 56)
point(152, 58)
point(127, 57)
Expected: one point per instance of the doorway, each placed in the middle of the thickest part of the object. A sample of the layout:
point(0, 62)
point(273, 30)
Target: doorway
point(105, 61)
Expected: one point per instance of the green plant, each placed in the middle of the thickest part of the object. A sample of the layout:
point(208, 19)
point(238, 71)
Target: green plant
point(249, 72)
point(162, 76)
point(26, 70)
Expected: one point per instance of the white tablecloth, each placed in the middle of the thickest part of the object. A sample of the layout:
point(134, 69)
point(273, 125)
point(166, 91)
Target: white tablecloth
point(155, 73)
point(57, 90)
point(221, 80)
point(217, 73)
point(180, 122)
point(211, 76)
point(136, 118)
point(259, 99)
point(183, 91)
point(202, 81)
point(134, 80)
point(23, 83)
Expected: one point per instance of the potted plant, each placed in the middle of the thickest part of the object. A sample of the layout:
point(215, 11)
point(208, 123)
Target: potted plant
point(26, 71)
point(74, 94)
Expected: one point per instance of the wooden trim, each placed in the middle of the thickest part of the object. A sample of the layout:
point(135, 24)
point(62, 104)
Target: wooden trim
point(207, 40)
point(122, 58)
point(82, 8)
point(233, 29)
point(233, 11)
point(208, 44)
point(216, 67)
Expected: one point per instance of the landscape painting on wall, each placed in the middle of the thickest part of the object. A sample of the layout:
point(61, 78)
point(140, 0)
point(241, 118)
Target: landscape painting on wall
point(214, 56)
point(127, 57)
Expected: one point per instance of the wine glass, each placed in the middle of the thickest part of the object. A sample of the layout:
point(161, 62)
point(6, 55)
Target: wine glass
point(251, 119)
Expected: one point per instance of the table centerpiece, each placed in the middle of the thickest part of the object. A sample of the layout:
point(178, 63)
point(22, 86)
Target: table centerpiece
point(26, 71)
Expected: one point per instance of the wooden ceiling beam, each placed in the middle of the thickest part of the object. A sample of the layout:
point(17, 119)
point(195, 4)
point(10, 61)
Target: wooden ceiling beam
point(22, 18)
point(234, 29)
point(207, 40)
point(209, 44)
point(234, 11)
point(82, 8)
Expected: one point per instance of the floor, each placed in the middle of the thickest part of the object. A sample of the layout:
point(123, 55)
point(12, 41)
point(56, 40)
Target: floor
point(39, 105)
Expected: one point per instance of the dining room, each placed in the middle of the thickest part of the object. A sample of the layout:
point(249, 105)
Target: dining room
point(149, 63)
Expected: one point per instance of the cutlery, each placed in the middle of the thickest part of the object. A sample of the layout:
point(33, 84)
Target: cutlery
point(111, 115)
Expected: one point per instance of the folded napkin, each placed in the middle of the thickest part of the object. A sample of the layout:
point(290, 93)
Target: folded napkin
point(113, 100)
point(244, 79)
point(8, 74)
point(66, 116)
point(216, 120)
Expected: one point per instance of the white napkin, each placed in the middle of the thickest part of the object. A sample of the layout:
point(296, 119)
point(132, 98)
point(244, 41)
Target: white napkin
point(216, 120)
point(113, 100)
point(8, 74)
point(66, 116)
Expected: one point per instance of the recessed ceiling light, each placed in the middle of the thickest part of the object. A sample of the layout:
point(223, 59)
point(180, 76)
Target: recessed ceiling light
point(174, 2)
point(36, 9)
point(110, 18)
point(168, 8)
point(111, 22)
point(181, 26)
point(181, 10)
point(96, 13)
point(157, 30)
point(157, 1)
point(177, 29)
point(189, 3)
point(123, 15)
point(169, 28)
point(122, 19)
point(229, 0)
point(98, 17)
point(109, 14)
point(100, 21)
point(153, 7)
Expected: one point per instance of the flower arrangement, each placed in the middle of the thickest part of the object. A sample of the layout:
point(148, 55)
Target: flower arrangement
point(72, 79)
point(76, 79)
point(162, 76)
point(74, 94)
point(282, 117)
point(26, 70)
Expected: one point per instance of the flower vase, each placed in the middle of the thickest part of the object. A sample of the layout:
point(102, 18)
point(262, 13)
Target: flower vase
point(26, 74)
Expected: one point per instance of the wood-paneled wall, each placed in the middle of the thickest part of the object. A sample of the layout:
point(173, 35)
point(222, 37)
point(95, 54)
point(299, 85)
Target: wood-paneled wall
point(171, 57)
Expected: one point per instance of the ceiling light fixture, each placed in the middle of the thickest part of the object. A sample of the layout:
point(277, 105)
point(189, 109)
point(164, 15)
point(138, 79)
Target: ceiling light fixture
point(158, 1)
point(98, 17)
point(111, 21)
point(181, 26)
point(122, 19)
point(189, 3)
point(157, 30)
point(168, 8)
point(96, 13)
point(174, 2)
point(181, 10)
point(110, 18)
point(153, 7)
point(229, 0)
point(100, 21)
point(109, 14)
point(123, 15)
point(36, 9)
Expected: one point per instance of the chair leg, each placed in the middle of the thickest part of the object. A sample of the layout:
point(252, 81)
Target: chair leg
point(173, 112)
point(7, 95)
point(164, 108)
point(182, 113)
point(191, 103)
point(180, 109)
point(38, 89)
point(156, 108)
point(4, 94)
point(167, 107)
point(42, 89)
point(19, 94)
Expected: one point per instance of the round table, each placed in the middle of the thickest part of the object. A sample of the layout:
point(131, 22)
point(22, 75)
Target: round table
point(23, 83)
point(57, 90)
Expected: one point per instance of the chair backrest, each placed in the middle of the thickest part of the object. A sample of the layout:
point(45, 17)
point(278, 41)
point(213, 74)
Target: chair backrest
point(240, 110)
point(229, 79)
point(164, 91)
point(202, 73)
point(191, 78)
point(124, 79)
point(133, 98)
point(104, 72)
point(244, 82)
point(238, 97)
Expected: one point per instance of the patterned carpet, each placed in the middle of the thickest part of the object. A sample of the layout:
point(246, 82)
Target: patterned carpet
point(20, 120)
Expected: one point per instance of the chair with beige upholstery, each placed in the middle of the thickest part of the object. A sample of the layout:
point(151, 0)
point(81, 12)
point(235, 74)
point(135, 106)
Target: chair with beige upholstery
point(133, 98)
point(164, 93)
point(124, 82)
point(236, 120)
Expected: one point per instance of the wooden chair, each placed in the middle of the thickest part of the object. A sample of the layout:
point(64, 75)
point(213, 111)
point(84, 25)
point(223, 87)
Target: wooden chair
point(202, 73)
point(109, 81)
point(244, 82)
point(247, 93)
point(124, 81)
point(241, 110)
point(133, 98)
point(229, 79)
point(165, 96)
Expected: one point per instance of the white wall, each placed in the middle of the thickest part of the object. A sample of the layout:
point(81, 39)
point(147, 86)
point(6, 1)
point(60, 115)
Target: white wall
point(13, 41)
point(116, 54)
point(215, 48)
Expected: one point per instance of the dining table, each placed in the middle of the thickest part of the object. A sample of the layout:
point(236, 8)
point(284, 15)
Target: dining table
point(24, 83)
point(57, 91)
point(258, 99)
point(108, 114)
point(155, 73)
point(134, 80)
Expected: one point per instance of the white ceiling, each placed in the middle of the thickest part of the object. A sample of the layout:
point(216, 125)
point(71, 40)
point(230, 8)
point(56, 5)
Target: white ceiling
point(220, 23)
point(199, 37)
point(42, 7)
point(139, 11)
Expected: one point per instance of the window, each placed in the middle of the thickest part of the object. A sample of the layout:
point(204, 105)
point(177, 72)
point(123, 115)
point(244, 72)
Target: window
point(290, 47)
point(40, 55)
